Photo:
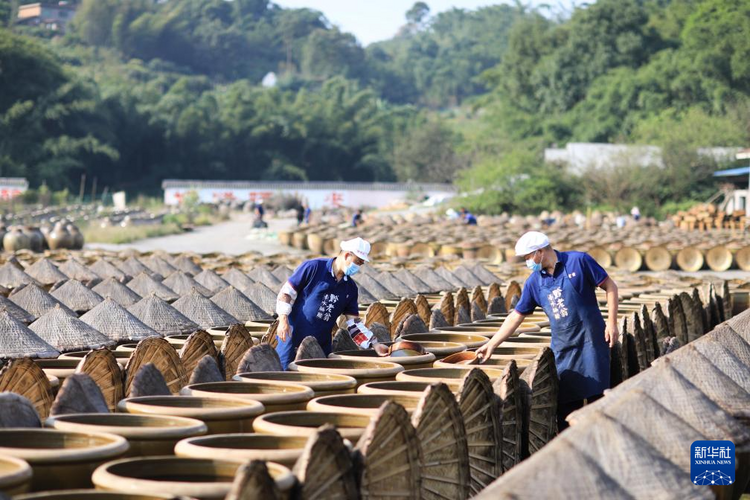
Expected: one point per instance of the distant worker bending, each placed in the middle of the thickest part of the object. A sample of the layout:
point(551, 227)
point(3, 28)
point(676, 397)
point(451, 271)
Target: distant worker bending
point(358, 218)
point(468, 217)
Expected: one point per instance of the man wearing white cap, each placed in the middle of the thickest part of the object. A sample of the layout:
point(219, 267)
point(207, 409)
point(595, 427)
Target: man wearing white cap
point(564, 285)
point(317, 293)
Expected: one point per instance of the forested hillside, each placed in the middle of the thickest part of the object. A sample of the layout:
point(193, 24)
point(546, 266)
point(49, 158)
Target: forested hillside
point(140, 90)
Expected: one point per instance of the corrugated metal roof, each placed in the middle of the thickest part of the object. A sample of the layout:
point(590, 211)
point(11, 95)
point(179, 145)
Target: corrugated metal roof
point(291, 186)
point(732, 172)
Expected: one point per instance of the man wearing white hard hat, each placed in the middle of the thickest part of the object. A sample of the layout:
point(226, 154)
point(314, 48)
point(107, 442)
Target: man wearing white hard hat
point(564, 285)
point(317, 293)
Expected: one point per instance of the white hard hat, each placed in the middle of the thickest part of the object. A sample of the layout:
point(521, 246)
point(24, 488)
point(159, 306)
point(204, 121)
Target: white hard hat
point(531, 242)
point(358, 247)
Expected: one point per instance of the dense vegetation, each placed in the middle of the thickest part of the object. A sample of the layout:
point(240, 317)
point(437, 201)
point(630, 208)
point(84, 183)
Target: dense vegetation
point(139, 90)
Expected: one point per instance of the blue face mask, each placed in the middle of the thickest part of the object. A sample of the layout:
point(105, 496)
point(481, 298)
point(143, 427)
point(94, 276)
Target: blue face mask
point(351, 269)
point(534, 266)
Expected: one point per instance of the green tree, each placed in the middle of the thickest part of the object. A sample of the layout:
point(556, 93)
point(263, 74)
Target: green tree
point(428, 154)
point(417, 14)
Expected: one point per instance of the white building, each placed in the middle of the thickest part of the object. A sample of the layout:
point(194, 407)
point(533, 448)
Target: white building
point(317, 194)
point(11, 187)
point(581, 156)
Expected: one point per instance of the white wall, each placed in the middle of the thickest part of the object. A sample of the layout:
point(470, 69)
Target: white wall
point(317, 198)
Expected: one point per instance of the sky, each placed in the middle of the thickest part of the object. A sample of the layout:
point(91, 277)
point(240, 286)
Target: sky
point(375, 20)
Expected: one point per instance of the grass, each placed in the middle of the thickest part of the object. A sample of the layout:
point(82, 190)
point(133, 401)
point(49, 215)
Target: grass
point(121, 235)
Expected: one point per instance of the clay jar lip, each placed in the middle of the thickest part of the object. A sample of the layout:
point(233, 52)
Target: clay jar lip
point(354, 368)
point(457, 372)
point(319, 381)
point(346, 402)
point(470, 340)
point(405, 387)
point(427, 357)
point(128, 474)
point(141, 474)
point(130, 426)
point(243, 446)
point(13, 471)
point(305, 423)
point(105, 445)
point(268, 392)
point(198, 407)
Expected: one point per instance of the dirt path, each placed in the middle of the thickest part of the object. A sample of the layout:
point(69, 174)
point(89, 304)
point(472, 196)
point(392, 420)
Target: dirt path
point(233, 237)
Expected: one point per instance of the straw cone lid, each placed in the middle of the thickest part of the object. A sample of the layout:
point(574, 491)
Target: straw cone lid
point(238, 305)
point(262, 296)
point(364, 296)
point(186, 265)
point(202, 311)
point(283, 273)
point(77, 271)
point(433, 279)
point(395, 285)
point(483, 274)
point(106, 269)
point(264, 275)
point(558, 470)
point(671, 389)
point(639, 468)
point(451, 278)
point(383, 470)
point(77, 296)
point(121, 294)
point(16, 311)
point(465, 275)
point(144, 285)
point(36, 301)
point(18, 341)
point(45, 272)
point(66, 333)
point(159, 266)
point(114, 321)
point(412, 281)
point(162, 317)
point(663, 429)
point(211, 280)
point(182, 284)
point(12, 277)
point(238, 279)
point(374, 287)
point(133, 267)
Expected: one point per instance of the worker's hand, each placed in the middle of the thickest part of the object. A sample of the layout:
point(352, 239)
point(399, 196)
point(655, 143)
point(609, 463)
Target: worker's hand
point(484, 352)
point(611, 334)
point(284, 329)
point(381, 349)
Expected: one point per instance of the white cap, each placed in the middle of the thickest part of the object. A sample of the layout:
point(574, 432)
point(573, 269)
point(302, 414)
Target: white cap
point(358, 247)
point(531, 242)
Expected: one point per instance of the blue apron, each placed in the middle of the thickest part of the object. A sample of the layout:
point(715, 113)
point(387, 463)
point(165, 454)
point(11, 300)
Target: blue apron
point(581, 353)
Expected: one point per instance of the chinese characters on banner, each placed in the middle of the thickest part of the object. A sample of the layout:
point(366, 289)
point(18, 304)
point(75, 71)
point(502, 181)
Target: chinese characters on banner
point(8, 193)
point(335, 199)
point(259, 195)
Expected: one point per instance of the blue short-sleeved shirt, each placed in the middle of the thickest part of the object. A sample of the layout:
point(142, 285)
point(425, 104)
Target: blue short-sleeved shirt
point(583, 271)
point(320, 301)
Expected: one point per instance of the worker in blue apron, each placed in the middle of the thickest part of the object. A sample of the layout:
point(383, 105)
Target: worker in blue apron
point(317, 293)
point(564, 285)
